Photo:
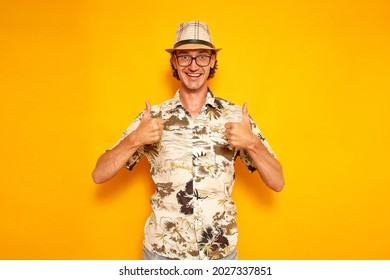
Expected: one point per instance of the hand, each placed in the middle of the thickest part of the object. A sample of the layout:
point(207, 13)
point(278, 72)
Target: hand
point(150, 129)
point(239, 134)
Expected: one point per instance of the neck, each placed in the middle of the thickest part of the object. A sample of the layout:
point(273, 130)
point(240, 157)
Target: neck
point(193, 100)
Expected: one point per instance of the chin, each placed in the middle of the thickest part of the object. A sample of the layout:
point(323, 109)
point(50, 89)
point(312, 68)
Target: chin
point(194, 88)
point(194, 85)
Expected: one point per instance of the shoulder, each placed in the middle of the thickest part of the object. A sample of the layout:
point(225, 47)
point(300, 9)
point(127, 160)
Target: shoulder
point(165, 106)
point(223, 103)
point(228, 110)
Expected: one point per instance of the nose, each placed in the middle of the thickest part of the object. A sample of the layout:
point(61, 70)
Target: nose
point(193, 66)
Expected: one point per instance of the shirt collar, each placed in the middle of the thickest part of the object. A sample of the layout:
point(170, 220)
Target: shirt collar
point(210, 100)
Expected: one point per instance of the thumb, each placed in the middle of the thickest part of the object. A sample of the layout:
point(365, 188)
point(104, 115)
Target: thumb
point(147, 110)
point(245, 114)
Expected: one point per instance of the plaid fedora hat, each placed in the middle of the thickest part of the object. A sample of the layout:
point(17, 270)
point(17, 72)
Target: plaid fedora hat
point(192, 35)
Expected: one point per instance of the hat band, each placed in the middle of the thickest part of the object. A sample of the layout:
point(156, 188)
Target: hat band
point(193, 41)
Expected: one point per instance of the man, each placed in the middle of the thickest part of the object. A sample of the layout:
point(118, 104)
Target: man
point(191, 142)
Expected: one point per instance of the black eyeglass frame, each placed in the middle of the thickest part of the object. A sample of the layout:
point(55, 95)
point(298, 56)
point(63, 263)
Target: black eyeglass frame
point(194, 58)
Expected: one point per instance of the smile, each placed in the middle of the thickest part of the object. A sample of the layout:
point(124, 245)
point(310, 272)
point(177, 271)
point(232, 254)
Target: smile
point(193, 75)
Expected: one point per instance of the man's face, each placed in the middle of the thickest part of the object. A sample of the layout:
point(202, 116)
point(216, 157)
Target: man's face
point(192, 76)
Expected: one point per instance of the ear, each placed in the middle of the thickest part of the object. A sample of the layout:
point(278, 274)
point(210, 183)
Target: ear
point(173, 61)
point(213, 60)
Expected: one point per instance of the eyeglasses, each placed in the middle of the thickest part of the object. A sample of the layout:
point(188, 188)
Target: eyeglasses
point(186, 60)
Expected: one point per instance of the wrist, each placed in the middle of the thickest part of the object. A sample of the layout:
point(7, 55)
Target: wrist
point(132, 141)
point(255, 144)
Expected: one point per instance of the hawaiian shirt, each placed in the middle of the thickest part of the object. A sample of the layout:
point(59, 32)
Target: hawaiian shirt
point(194, 216)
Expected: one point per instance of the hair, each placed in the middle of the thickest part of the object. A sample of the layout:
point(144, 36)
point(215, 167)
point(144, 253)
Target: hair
point(176, 74)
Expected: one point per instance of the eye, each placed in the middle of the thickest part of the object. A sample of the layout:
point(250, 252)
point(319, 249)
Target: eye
point(186, 57)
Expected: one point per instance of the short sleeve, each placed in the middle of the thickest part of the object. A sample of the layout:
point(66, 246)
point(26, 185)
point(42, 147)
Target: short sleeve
point(132, 161)
point(245, 157)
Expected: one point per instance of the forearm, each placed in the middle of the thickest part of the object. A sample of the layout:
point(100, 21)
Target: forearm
point(269, 168)
point(113, 160)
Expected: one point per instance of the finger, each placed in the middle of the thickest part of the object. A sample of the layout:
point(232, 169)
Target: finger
point(161, 122)
point(148, 109)
point(158, 124)
point(245, 114)
point(228, 125)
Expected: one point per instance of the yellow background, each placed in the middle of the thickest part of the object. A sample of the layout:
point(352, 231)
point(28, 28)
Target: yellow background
point(74, 74)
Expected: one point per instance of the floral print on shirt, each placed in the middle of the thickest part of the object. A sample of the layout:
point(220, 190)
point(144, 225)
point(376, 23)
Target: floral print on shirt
point(192, 166)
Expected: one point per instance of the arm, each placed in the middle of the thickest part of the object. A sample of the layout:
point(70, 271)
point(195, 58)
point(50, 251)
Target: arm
point(240, 136)
point(148, 132)
point(269, 168)
point(109, 163)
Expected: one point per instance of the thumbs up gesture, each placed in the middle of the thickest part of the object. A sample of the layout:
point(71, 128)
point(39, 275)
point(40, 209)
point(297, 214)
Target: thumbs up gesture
point(239, 134)
point(150, 129)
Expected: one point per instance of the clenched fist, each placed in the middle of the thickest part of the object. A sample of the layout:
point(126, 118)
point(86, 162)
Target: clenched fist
point(239, 134)
point(150, 129)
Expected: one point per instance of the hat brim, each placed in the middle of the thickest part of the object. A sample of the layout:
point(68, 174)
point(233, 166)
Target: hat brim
point(193, 47)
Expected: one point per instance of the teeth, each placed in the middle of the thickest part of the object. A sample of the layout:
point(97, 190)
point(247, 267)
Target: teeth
point(193, 75)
